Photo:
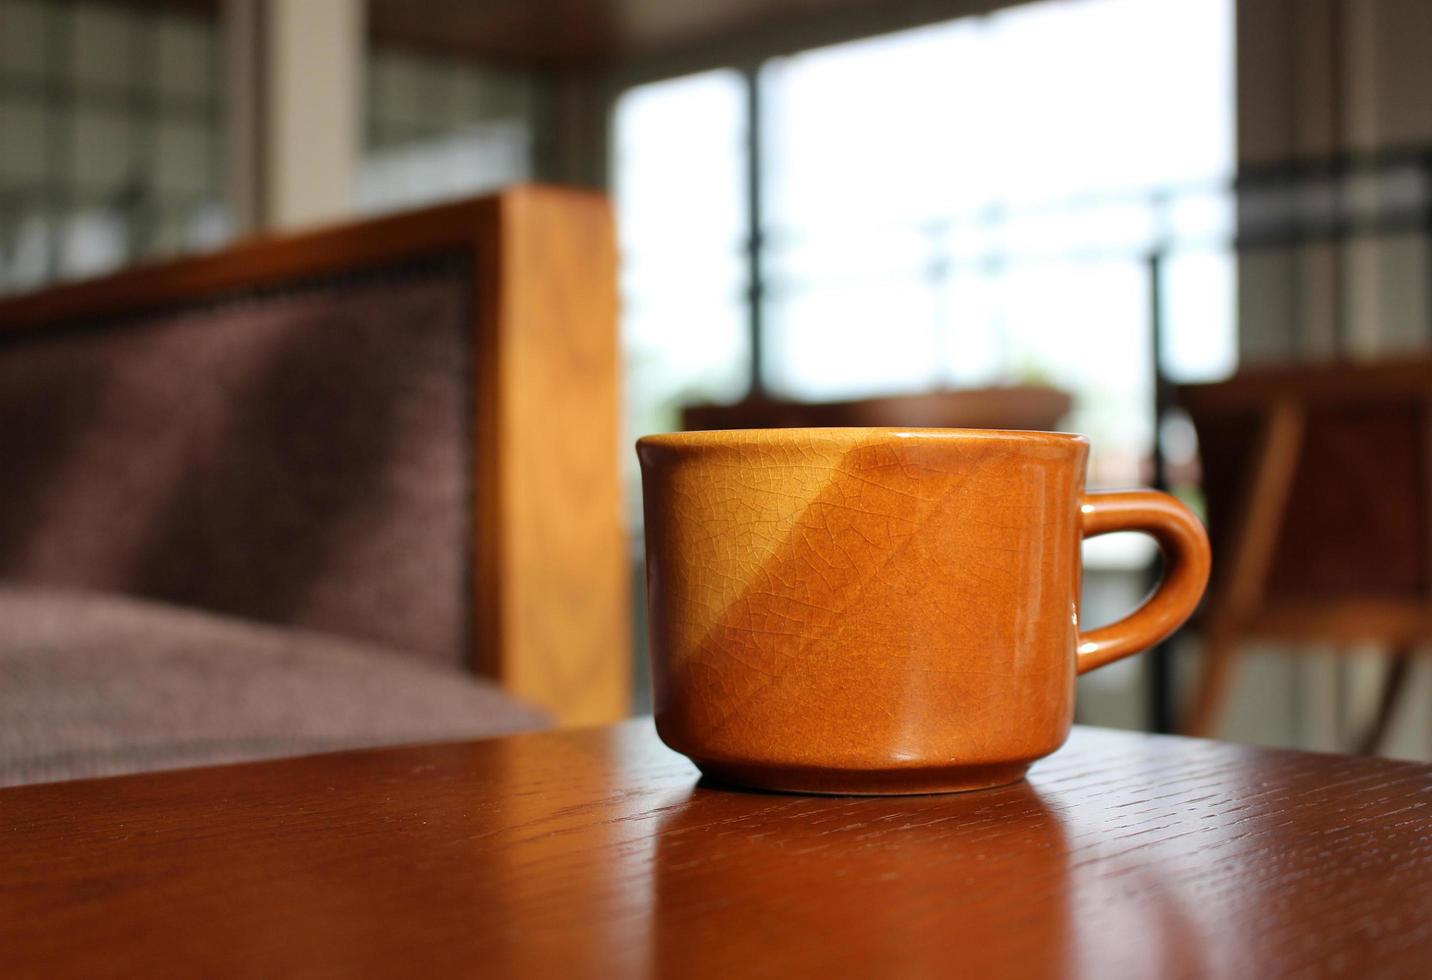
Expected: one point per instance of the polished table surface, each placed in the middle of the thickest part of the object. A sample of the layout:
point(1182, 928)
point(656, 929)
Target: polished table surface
point(597, 853)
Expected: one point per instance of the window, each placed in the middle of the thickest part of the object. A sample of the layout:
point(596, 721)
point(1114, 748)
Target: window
point(680, 184)
point(111, 142)
point(439, 128)
point(979, 202)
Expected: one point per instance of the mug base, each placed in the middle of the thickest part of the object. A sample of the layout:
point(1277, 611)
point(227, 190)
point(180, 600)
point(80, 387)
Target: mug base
point(874, 782)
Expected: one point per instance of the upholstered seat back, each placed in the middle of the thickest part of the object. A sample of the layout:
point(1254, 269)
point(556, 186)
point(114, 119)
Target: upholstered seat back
point(400, 431)
point(1355, 521)
point(299, 455)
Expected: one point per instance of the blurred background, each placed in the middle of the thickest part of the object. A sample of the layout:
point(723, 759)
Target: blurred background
point(825, 202)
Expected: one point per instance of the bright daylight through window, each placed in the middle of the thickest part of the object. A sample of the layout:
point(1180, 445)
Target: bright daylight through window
point(978, 202)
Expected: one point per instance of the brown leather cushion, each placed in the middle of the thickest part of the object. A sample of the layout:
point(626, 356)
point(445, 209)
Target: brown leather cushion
point(98, 685)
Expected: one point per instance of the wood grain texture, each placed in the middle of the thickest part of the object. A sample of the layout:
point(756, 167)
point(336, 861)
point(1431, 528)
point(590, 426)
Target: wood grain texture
point(547, 525)
point(596, 853)
point(562, 553)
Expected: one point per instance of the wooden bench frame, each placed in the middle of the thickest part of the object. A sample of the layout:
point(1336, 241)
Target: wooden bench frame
point(550, 607)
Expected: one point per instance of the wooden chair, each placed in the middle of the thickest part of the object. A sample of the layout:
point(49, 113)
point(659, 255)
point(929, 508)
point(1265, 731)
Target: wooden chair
point(400, 431)
point(1318, 483)
point(1013, 407)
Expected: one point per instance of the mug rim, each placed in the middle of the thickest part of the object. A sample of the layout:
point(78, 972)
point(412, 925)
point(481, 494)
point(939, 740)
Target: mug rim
point(738, 438)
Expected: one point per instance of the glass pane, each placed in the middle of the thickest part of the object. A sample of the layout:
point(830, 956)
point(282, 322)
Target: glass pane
point(680, 196)
point(22, 38)
point(101, 153)
point(127, 129)
point(184, 165)
point(397, 81)
point(187, 59)
point(852, 316)
point(680, 187)
point(1200, 306)
point(22, 140)
point(974, 203)
point(101, 44)
point(443, 127)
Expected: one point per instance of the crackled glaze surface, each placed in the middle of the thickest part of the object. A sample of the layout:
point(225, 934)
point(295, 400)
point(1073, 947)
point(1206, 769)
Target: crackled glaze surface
point(877, 610)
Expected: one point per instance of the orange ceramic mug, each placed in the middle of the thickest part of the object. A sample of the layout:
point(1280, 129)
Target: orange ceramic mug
point(884, 610)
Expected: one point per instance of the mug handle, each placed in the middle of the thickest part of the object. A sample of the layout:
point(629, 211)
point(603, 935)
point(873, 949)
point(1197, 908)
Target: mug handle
point(1186, 555)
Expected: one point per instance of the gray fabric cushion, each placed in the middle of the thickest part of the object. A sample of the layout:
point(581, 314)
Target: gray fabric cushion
point(97, 685)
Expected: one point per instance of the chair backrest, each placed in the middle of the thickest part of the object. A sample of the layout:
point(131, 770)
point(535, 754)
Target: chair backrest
point(400, 430)
point(1333, 465)
point(1014, 407)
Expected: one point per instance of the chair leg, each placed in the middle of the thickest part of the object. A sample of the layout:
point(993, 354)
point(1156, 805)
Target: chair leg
point(1215, 679)
point(1392, 687)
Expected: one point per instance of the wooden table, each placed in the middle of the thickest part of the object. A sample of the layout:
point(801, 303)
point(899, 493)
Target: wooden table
point(595, 853)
